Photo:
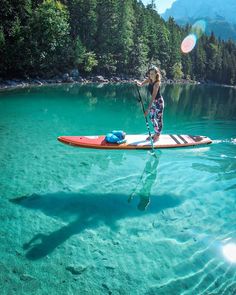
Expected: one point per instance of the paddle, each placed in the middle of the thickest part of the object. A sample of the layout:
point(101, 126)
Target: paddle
point(146, 120)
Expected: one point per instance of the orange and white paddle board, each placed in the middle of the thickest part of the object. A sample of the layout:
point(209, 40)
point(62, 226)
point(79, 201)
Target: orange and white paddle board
point(138, 141)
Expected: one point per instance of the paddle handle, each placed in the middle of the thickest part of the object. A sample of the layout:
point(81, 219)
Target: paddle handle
point(146, 120)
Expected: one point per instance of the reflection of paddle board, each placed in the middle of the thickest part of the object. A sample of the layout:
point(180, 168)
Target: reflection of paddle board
point(136, 141)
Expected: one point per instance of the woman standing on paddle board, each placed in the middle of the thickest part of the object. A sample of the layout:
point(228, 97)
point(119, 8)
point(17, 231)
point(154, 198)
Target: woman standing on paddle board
point(156, 106)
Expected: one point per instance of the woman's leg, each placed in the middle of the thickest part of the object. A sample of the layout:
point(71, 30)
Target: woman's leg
point(153, 115)
point(156, 117)
point(160, 121)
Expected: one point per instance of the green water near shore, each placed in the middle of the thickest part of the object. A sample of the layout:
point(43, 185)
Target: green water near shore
point(83, 221)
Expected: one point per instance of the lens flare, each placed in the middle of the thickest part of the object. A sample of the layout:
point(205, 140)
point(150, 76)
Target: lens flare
point(188, 43)
point(199, 28)
point(229, 251)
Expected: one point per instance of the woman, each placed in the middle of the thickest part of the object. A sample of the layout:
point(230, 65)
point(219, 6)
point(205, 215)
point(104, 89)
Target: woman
point(156, 106)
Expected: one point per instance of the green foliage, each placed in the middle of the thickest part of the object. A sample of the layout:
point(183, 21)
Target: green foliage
point(107, 64)
point(176, 72)
point(50, 36)
point(107, 36)
point(46, 37)
point(79, 51)
point(174, 45)
point(90, 61)
point(86, 61)
point(2, 38)
point(14, 19)
point(125, 41)
point(83, 21)
point(138, 58)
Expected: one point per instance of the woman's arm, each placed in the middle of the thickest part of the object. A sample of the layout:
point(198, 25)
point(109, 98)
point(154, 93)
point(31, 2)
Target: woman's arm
point(146, 81)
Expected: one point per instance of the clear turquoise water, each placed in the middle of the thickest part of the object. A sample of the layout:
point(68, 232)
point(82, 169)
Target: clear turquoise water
point(82, 221)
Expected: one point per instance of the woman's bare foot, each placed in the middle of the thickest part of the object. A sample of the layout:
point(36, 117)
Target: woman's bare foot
point(155, 137)
point(149, 138)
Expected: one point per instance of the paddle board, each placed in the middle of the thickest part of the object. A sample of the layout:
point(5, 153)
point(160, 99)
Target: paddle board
point(138, 141)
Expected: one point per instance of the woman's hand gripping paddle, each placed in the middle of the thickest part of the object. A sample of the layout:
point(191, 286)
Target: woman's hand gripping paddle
point(146, 120)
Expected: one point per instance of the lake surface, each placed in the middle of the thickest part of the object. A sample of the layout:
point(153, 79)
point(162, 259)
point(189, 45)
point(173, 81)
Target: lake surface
point(83, 221)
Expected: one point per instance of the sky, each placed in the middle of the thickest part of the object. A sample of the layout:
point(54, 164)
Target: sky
point(161, 5)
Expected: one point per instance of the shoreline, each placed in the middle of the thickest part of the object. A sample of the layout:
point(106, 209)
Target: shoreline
point(24, 83)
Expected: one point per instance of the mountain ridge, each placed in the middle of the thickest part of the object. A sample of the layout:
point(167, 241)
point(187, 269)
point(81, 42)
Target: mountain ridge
point(219, 16)
point(200, 9)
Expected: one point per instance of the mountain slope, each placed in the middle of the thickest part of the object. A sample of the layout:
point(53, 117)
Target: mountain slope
point(220, 15)
point(192, 9)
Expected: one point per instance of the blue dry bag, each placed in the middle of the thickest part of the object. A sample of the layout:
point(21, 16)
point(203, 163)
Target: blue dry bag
point(116, 136)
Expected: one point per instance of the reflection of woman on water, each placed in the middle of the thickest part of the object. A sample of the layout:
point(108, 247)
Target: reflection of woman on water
point(143, 189)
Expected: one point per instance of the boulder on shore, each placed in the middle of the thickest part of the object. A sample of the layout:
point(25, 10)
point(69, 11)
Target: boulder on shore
point(99, 79)
point(74, 74)
point(66, 78)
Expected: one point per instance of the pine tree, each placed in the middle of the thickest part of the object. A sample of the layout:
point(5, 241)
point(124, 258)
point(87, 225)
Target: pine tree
point(199, 61)
point(107, 36)
point(83, 21)
point(174, 46)
point(211, 57)
point(125, 42)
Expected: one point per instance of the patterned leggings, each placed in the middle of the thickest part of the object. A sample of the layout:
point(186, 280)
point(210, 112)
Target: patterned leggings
point(156, 115)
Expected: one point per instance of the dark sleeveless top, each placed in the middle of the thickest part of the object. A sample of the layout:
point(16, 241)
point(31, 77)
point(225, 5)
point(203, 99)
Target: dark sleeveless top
point(150, 88)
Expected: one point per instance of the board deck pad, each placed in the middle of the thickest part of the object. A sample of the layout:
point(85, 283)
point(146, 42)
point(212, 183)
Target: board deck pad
point(138, 141)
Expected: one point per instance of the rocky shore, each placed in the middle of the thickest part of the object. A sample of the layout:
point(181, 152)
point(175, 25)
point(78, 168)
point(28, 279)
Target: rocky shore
point(18, 83)
point(74, 77)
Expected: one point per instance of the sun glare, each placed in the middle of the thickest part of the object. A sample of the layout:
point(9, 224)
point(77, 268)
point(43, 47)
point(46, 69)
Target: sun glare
point(229, 251)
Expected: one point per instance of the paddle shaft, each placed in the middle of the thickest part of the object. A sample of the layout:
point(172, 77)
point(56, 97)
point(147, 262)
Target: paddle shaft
point(146, 120)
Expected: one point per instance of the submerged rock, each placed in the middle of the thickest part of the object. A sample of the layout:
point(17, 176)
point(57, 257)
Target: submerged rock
point(105, 286)
point(26, 277)
point(76, 270)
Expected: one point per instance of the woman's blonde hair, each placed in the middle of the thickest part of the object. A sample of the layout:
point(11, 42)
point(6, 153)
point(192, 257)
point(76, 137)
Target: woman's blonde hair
point(157, 71)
